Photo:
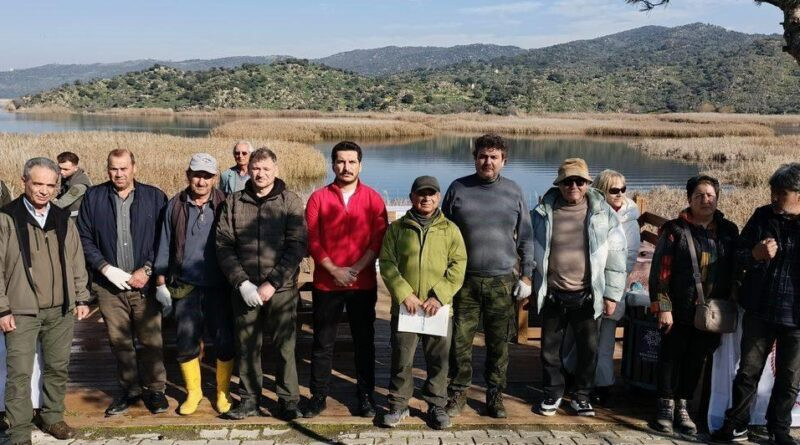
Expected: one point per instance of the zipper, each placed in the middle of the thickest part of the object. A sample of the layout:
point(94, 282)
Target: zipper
point(53, 280)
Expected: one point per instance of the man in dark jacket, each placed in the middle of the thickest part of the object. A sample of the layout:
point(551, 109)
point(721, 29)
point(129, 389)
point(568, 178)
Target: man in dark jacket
point(189, 280)
point(261, 239)
point(39, 240)
point(769, 253)
point(118, 222)
point(74, 183)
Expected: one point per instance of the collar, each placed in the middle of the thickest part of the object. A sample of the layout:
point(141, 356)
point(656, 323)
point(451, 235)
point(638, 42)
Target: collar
point(32, 210)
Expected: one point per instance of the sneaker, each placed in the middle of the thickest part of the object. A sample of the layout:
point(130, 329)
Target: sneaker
point(728, 434)
point(665, 416)
point(156, 402)
point(455, 403)
point(394, 417)
point(682, 419)
point(366, 406)
point(121, 404)
point(438, 417)
point(494, 404)
point(316, 406)
point(287, 410)
point(582, 408)
point(782, 438)
point(549, 406)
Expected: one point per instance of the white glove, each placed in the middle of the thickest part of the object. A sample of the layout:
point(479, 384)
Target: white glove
point(250, 295)
point(521, 290)
point(163, 296)
point(117, 277)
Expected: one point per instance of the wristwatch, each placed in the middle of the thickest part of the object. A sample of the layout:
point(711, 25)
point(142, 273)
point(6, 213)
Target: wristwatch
point(147, 270)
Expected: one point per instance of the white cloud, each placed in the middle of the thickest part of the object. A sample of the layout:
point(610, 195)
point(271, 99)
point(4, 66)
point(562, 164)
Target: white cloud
point(503, 8)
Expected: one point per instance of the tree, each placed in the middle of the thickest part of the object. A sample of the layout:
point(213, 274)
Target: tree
point(791, 20)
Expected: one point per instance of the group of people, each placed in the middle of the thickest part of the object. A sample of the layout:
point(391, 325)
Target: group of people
point(223, 257)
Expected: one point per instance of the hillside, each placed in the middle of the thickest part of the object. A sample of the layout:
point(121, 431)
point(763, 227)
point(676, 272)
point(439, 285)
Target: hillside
point(32, 80)
point(649, 69)
point(394, 59)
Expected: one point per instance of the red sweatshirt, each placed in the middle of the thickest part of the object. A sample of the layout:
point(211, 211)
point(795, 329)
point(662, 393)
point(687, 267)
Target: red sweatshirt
point(344, 234)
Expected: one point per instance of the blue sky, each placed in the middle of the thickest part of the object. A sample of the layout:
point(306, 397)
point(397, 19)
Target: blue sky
point(58, 31)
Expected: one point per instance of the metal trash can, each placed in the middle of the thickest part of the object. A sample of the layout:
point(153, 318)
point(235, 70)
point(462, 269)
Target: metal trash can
point(640, 346)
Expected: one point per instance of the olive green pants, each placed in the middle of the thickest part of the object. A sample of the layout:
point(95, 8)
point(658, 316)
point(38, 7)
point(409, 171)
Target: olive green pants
point(436, 351)
point(54, 330)
point(490, 298)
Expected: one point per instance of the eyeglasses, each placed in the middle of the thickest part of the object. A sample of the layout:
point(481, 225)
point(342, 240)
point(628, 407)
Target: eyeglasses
point(241, 153)
point(617, 191)
point(580, 182)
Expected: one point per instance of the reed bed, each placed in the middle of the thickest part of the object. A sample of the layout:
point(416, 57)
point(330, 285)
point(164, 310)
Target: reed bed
point(317, 129)
point(739, 161)
point(161, 160)
point(620, 125)
point(737, 204)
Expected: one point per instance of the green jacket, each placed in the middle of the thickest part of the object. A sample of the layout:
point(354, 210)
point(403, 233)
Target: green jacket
point(425, 264)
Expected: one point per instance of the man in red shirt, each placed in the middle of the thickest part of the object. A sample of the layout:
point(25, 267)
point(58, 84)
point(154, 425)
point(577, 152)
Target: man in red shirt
point(346, 223)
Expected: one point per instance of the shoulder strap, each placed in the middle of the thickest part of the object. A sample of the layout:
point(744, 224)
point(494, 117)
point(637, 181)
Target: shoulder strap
point(698, 284)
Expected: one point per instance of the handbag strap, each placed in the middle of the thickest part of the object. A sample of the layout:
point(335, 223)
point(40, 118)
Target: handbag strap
point(698, 283)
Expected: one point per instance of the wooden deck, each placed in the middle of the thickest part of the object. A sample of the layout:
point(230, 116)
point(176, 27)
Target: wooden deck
point(93, 382)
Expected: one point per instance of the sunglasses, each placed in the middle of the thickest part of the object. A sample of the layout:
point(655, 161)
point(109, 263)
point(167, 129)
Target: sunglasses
point(577, 181)
point(617, 191)
point(241, 153)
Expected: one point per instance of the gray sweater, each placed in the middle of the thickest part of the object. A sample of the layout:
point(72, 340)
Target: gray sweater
point(495, 222)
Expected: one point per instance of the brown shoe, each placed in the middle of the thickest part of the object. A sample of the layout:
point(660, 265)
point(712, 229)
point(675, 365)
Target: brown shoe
point(60, 430)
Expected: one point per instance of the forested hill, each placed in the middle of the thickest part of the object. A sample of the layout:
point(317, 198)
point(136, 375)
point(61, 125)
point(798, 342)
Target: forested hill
point(397, 59)
point(649, 69)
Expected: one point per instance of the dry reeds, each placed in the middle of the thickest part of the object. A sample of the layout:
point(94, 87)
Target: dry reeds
point(160, 160)
point(317, 129)
point(737, 204)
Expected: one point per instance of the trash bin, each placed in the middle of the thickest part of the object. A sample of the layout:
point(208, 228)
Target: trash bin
point(640, 345)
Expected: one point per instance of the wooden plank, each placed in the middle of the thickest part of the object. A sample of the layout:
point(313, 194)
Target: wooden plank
point(522, 321)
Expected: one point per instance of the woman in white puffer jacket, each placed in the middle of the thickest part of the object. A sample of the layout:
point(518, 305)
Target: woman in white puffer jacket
point(612, 184)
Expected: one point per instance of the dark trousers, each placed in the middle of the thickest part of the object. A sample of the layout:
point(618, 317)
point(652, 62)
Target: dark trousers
point(436, 351)
point(681, 356)
point(130, 316)
point(327, 307)
point(489, 298)
point(205, 309)
point(54, 329)
point(757, 339)
point(279, 317)
point(555, 320)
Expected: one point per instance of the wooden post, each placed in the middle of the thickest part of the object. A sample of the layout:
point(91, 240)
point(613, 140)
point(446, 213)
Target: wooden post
point(522, 322)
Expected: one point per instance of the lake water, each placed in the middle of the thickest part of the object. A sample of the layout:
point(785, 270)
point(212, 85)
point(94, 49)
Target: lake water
point(533, 163)
point(390, 167)
point(177, 126)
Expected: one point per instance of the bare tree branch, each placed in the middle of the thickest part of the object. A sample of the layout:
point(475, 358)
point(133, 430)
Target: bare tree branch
point(647, 4)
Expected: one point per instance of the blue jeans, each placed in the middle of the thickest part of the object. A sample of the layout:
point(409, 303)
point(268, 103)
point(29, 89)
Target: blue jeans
point(205, 309)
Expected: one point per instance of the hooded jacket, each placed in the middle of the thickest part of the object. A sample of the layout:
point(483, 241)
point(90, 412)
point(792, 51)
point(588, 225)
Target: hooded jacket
point(607, 247)
point(429, 262)
point(262, 239)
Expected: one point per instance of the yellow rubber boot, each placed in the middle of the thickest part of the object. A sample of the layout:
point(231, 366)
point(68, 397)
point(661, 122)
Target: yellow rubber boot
point(194, 393)
point(224, 372)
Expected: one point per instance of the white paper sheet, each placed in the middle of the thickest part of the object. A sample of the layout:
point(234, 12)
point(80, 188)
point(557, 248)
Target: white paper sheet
point(422, 324)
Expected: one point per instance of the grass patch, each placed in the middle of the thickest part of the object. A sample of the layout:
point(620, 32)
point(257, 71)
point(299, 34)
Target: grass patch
point(161, 160)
